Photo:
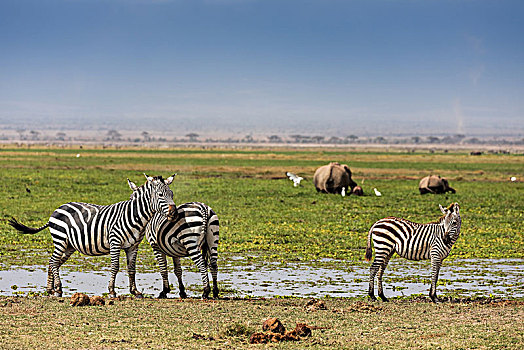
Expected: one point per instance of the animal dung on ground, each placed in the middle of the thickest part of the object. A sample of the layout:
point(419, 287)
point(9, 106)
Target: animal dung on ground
point(302, 330)
point(315, 304)
point(97, 301)
point(81, 299)
point(361, 306)
point(280, 333)
point(274, 325)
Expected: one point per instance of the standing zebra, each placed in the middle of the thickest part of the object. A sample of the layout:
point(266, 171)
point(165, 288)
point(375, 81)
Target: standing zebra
point(193, 233)
point(412, 241)
point(104, 229)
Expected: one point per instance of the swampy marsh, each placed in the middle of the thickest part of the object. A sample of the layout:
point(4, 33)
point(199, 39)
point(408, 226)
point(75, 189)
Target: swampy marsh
point(271, 233)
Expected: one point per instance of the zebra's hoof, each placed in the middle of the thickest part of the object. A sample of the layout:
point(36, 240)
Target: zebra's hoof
point(162, 295)
point(215, 293)
point(183, 295)
point(372, 297)
point(205, 294)
point(139, 295)
point(383, 297)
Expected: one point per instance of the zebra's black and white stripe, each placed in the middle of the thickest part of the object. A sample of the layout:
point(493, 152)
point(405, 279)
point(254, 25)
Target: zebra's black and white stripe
point(104, 229)
point(412, 241)
point(194, 233)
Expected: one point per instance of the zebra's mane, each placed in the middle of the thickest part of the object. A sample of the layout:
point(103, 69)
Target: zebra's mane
point(158, 178)
point(139, 188)
point(437, 221)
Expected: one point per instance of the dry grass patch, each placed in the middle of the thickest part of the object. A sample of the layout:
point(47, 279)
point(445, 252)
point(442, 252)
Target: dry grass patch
point(42, 322)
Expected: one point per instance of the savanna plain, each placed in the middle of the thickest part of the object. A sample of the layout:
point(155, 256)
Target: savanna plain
point(264, 218)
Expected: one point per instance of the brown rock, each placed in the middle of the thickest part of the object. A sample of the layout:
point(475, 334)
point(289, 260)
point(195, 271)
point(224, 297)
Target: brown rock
point(273, 325)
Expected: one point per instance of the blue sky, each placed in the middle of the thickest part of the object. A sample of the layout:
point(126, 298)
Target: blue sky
point(340, 67)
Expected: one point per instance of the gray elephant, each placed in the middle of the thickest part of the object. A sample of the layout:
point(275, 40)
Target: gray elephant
point(333, 178)
point(434, 184)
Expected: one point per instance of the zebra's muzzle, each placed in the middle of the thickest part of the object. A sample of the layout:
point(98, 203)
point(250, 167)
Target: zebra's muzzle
point(172, 213)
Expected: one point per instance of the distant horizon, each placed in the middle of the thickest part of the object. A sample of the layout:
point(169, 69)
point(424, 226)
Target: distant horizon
point(241, 132)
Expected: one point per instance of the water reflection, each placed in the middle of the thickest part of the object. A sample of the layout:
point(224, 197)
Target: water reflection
point(240, 277)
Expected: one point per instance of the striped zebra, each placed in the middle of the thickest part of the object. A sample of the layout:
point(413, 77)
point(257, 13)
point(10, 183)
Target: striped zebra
point(193, 233)
point(412, 241)
point(105, 229)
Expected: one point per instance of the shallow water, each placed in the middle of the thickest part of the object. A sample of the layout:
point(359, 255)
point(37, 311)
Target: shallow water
point(240, 277)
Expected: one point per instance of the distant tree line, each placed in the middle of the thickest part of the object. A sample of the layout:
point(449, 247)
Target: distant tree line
point(114, 135)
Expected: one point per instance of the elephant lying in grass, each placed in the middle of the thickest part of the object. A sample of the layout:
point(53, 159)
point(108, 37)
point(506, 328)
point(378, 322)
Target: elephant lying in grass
point(333, 178)
point(434, 184)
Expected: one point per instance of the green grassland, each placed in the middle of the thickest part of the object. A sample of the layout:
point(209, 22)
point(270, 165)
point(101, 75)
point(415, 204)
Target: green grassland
point(259, 209)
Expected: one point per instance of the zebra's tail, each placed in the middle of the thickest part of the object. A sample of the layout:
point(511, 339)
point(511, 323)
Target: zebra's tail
point(211, 235)
point(205, 244)
point(369, 250)
point(25, 229)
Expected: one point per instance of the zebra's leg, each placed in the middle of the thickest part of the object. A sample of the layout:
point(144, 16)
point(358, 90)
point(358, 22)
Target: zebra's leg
point(131, 254)
point(59, 256)
point(381, 270)
point(372, 272)
point(435, 269)
point(114, 251)
point(214, 274)
point(162, 264)
point(197, 258)
point(67, 254)
point(178, 273)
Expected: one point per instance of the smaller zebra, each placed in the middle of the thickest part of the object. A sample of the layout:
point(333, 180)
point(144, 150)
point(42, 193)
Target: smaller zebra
point(194, 233)
point(412, 241)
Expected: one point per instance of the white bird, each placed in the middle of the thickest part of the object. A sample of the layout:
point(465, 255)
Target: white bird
point(513, 178)
point(377, 193)
point(343, 192)
point(78, 155)
point(296, 179)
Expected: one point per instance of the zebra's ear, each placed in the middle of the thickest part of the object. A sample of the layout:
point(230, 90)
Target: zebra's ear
point(132, 185)
point(170, 179)
point(442, 209)
point(149, 178)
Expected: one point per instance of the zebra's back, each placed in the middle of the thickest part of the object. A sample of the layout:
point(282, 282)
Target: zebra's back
point(196, 225)
point(86, 226)
point(410, 240)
